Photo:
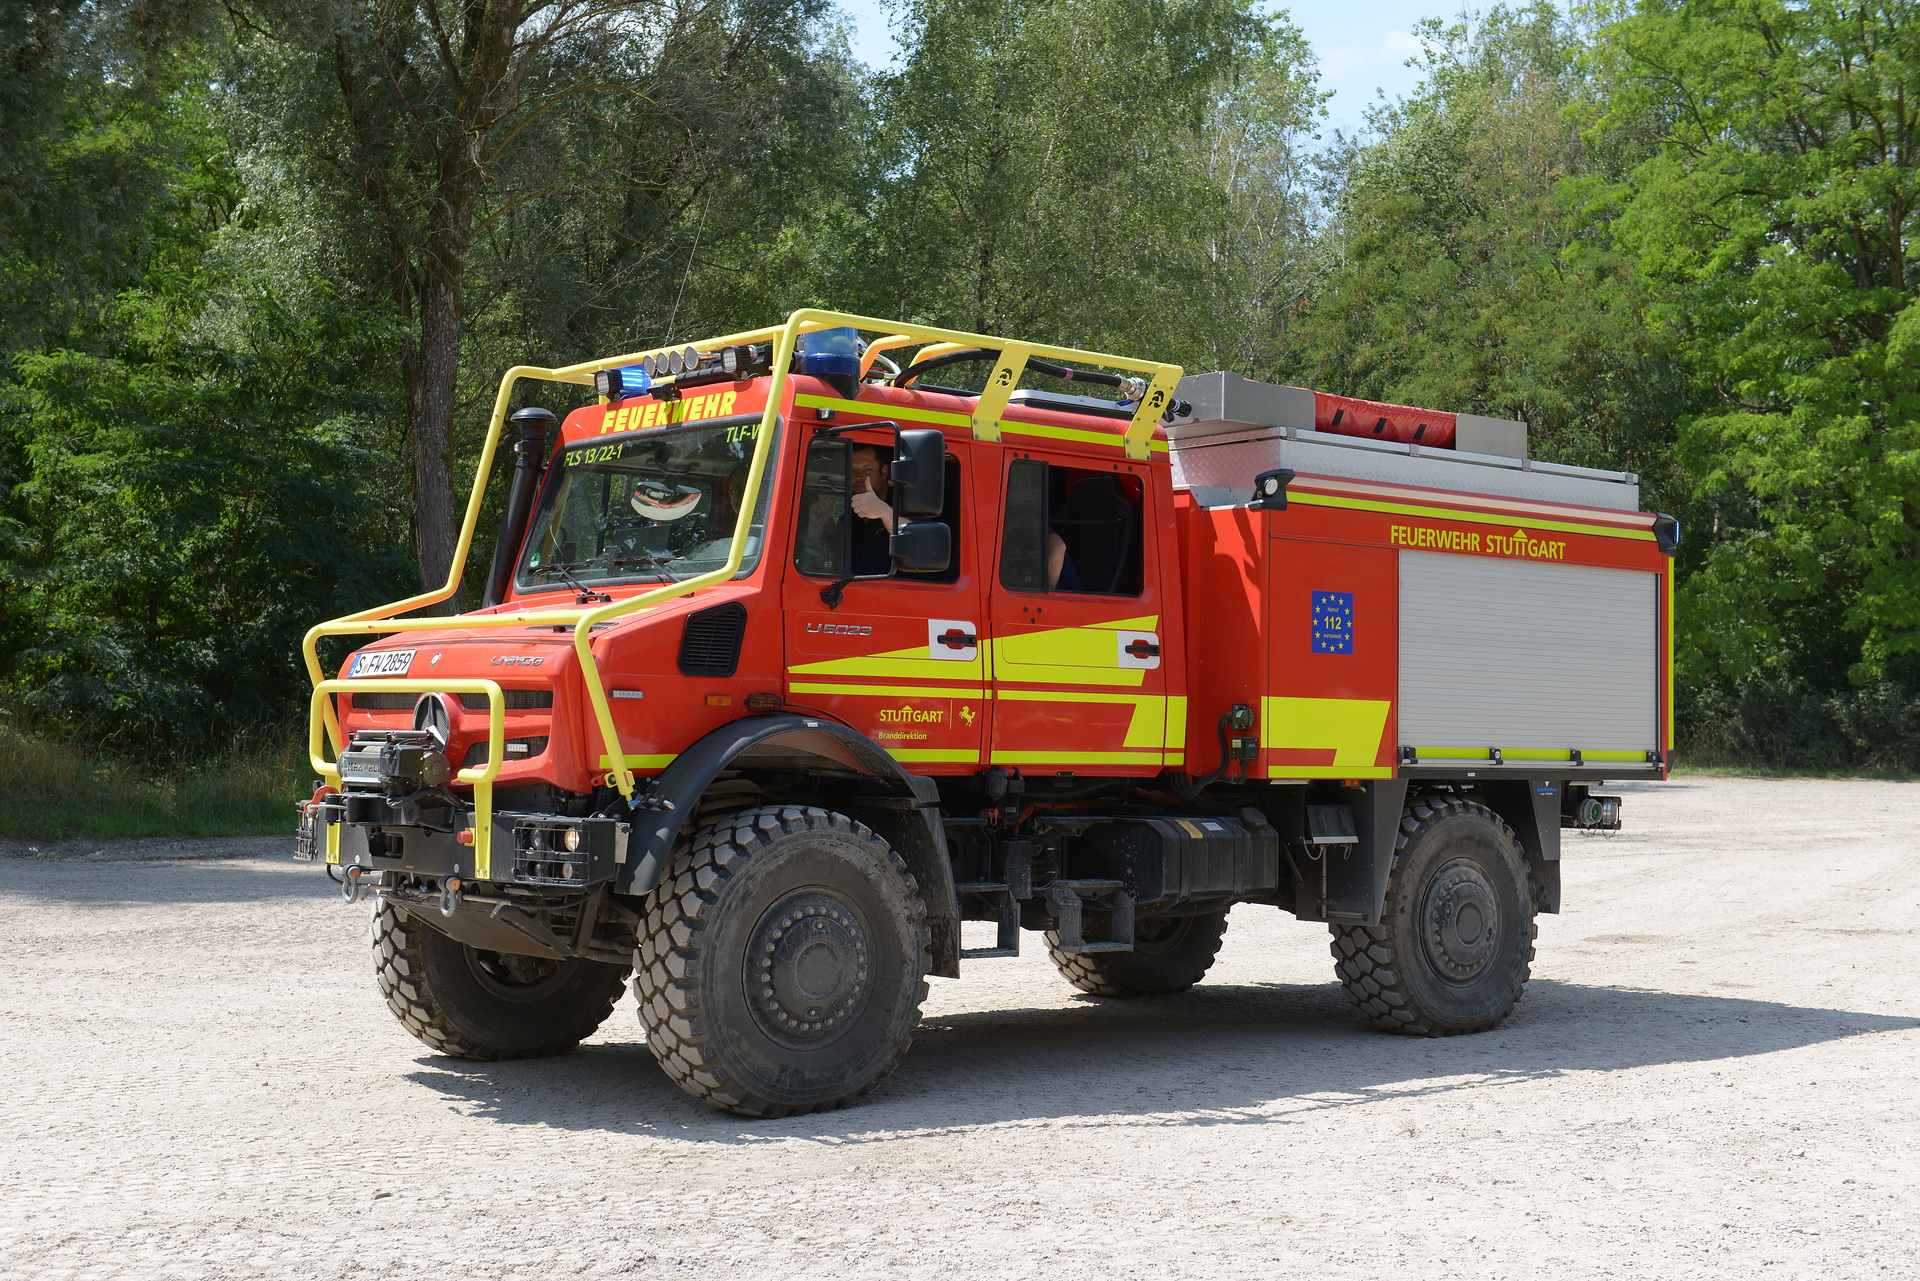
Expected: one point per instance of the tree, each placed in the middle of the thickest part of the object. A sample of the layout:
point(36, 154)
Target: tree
point(1047, 169)
point(1470, 258)
point(434, 131)
point(1775, 218)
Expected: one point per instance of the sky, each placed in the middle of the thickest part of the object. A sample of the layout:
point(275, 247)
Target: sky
point(1362, 46)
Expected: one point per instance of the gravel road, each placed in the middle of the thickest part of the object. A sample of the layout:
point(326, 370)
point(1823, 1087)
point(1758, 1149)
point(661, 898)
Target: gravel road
point(1715, 1073)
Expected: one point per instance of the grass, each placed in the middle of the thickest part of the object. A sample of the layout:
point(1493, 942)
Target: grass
point(51, 789)
point(1705, 764)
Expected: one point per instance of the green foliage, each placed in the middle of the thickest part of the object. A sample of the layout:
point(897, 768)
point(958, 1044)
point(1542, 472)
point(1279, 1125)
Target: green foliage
point(188, 512)
point(1774, 217)
point(1063, 170)
point(1469, 268)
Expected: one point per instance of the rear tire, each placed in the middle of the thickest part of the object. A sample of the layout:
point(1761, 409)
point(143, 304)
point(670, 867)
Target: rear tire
point(1453, 949)
point(1170, 954)
point(782, 962)
point(473, 1004)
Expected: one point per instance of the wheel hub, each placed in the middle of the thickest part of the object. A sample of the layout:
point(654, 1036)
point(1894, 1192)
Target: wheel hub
point(1462, 922)
point(806, 967)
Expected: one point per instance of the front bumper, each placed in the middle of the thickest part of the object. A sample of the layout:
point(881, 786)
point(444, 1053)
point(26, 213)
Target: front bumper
point(365, 830)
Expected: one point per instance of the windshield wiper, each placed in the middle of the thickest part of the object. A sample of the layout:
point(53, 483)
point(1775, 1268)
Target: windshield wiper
point(660, 561)
point(587, 594)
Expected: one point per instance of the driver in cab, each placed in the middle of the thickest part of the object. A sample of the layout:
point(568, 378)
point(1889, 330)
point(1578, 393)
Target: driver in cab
point(874, 521)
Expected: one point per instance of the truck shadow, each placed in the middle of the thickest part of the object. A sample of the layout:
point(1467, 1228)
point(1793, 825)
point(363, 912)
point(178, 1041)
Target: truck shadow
point(1260, 1054)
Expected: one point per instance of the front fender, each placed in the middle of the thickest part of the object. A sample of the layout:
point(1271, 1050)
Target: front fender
point(903, 808)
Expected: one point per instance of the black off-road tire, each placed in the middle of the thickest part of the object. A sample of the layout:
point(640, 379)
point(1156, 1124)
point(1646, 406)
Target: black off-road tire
point(782, 962)
point(1170, 954)
point(1453, 951)
point(474, 1004)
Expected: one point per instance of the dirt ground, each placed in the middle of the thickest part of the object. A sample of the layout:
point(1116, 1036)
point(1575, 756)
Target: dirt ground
point(1715, 1073)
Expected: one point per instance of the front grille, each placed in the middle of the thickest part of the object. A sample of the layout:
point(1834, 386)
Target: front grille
point(518, 749)
point(711, 644)
point(517, 700)
point(384, 702)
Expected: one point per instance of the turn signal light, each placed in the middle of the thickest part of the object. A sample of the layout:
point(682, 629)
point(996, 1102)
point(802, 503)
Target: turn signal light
point(763, 703)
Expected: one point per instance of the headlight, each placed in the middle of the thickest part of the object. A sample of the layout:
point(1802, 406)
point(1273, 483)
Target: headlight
point(572, 839)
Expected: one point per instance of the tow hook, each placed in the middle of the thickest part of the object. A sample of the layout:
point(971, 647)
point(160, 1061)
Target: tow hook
point(450, 895)
point(351, 887)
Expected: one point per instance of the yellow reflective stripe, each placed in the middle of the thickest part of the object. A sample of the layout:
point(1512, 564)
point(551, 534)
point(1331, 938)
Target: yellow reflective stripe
point(1079, 436)
point(1076, 757)
point(1150, 623)
point(1497, 519)
point(933, 754)
point(911, 663)
point(1176, 725)
point(1522, 754)
point(1285, 772)
point(1189, 828)
point(891, 691)
point(1351, 727)
point(333, 842)
point(1070, 646)
point(940, 418)
point(655, 761)
point(1070, 696)
point(909, 414)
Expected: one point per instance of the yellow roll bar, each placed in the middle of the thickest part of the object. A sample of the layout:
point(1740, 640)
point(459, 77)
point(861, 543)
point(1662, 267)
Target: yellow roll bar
point(785, 338)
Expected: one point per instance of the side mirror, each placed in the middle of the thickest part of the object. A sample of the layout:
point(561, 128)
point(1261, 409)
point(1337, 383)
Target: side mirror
point(919, 473)
point(922, 546)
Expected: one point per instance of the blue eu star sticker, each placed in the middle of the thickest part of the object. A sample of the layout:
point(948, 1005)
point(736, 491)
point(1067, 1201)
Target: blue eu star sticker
point(1333, 622)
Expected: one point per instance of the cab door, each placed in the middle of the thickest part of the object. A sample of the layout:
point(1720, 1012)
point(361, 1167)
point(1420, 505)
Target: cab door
point(900, 659)
point(1080, 644)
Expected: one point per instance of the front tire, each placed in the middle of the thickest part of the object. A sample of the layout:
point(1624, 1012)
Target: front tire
point(782, 962)
point(1170, 954)
point(1454, 946)
point(474, 1004)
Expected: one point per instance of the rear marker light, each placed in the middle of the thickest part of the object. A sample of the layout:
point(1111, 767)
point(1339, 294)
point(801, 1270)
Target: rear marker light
point(719, 700)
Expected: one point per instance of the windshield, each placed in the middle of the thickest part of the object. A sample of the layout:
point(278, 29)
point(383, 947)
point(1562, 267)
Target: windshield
point(646, 506)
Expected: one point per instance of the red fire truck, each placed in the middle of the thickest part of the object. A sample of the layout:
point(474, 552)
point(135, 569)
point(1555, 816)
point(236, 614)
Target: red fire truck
point(792, 659)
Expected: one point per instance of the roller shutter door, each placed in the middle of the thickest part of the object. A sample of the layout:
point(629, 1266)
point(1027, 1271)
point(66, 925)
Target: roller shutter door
point(1526, 654)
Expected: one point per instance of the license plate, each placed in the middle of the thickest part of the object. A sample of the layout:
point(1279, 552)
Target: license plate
point(386, 662)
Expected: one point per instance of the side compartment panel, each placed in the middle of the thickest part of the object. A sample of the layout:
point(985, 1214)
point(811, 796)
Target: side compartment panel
point(1526, 655)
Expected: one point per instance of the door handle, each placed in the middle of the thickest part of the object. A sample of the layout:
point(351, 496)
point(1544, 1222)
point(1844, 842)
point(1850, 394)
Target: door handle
point(957, 639)
point(1143, 649)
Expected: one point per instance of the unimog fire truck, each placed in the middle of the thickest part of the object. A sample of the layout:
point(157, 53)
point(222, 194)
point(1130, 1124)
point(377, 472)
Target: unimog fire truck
point(792, 659)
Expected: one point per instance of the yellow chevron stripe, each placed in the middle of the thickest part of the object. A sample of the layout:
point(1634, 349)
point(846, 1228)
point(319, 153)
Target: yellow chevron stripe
point(1350, 727)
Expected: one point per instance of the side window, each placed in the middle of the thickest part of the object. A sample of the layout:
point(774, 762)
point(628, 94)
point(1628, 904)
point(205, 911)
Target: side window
point(823, 546)
point(834, 539)
point(1071, 530)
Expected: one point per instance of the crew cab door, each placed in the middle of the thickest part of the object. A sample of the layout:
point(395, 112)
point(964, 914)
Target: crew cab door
point(1080, 644)
point(900, 659)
